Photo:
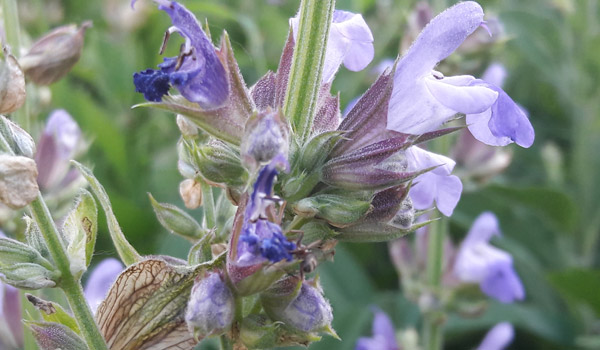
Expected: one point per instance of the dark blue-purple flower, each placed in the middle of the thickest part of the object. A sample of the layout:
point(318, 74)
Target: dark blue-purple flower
point(197, 72)
point(384, 335)
point(479, 262)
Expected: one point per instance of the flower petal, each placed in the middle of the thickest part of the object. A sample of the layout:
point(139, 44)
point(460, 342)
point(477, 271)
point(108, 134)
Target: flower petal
point(502, 283)
point(498, 338)
point(383, 327)
point(483, 229)
point(449, 189)
point(454, 93)
point(100, 281)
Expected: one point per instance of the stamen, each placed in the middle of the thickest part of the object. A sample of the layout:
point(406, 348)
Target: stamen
point(182, 55)
point(166, 37)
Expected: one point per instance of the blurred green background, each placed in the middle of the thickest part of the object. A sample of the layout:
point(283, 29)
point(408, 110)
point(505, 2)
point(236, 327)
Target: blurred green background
point(547, 200)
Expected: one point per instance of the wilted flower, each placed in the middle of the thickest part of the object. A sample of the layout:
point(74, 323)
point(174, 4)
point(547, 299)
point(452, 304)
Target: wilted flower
point(479, 262)
point(101, 279)
point(197, 72)
point(54, 55)
point(350, 42)
point(498, 338)
point(18, 185)
point(12, 83)
point(384, 334)
point(211, 307)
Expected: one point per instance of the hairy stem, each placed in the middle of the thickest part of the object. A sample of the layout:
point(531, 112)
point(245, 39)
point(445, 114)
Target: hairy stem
point(208, 199)
point(307, 65)
point(68, 283)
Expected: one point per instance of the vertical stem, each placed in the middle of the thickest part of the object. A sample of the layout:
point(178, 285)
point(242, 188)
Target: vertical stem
point(13, 37)
point(209, 205)
point(68, 283)
point(433, 326)
point(307, 65)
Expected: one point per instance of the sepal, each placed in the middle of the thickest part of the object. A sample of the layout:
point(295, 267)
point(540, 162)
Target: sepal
point(52, 336)
point(177, 221)
point(376, 232)
point(12, 83)
point(79, 232)
point(18, 181)
point(339, 211)
point(18, 140)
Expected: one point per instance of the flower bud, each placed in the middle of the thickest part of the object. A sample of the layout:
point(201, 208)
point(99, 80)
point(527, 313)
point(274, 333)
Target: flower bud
point(12, 84)
point(191, 193)
point(298, 304)
point(28, 276)
point(265, 137)
point(375, 232)
point(219, 163)
point(13, 252)
point(339, 211)
point(19, 141)
point(257, 332)
point(51, 336)
point(18, 184)
point(53, 55)
point(176, 220)
point(211, 307)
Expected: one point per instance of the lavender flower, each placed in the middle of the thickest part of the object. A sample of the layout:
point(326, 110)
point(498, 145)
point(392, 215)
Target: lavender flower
point(498, 338)
point(58, 144)
point(436, 184)
point(479, 262)
point(100, 281)
point(423, 99)
point(197, 72)
point(350, 42)
point(384, 337)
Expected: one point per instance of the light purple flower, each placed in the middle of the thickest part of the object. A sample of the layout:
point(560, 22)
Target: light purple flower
point(211, 306)
point(436, 185)
point(57, 146)
point(495, 74)
point(197, 72)
point(501, 124)
point(423, 99)
point(100, 281)
point(498, 338)
point(479, 262)
point(384, 337)
point(350, 42)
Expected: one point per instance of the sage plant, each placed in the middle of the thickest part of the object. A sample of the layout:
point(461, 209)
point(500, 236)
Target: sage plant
point(282, 179)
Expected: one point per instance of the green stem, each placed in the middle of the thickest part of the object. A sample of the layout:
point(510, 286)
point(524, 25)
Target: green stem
point(208, 199)
point(226, 343)
point(68, 283)
point(13, 38)
point(307, 65)
point(433, 326)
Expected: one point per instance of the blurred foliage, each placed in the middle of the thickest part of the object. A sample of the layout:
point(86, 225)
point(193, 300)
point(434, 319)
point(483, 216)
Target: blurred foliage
point(547, 201)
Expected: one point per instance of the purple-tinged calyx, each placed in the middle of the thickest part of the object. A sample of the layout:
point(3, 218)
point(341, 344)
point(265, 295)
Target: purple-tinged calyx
point(197, 72)
point(299, 304)
point(350, 42)
point(211, 306)
point(384, 334)
point(479, 262)
point(423, 99)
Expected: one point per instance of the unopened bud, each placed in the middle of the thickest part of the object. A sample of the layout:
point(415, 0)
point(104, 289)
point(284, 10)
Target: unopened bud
point(219, 163)
point(28, 276)
point(191, 193)
point(265, 137)
point(19, 141)
point(338, 210)
point(53, 55)
point(176, 220)
point(52, 336)
point(13, 252)
point(211, 307)
point(257, 332)
point(12, 84)
point(18, 181)
point(298, 304)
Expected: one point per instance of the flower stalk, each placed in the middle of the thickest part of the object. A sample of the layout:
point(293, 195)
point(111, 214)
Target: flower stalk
point(307, 65)
point(68, 283)
point(433, 328)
